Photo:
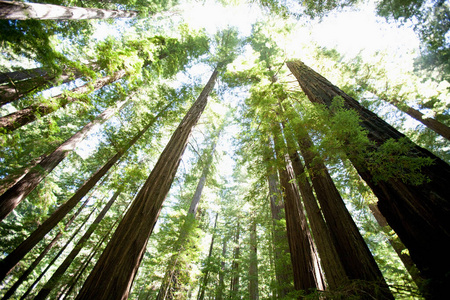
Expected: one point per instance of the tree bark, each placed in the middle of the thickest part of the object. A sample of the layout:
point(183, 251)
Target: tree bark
point(14, 195)
point(53, 281)
point(234, 285)
point(14, 257)
point(114, 272)
point(29, 114)
point(417, 213)
point(283, 268)
point(253, 265)
point(14, 10)
point(221, 286)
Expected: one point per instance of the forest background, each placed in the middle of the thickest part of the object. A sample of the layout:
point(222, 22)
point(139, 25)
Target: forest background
point(90, 108)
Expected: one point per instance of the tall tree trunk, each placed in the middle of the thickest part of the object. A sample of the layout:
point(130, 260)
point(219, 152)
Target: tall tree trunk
point(253, 265)
point(30, 288)
point(283, 268)
point(13, 178)
point(114, 272)
point(15, 10)
point(16, 76)
point(14, 257)
point(53, 281)
point(30, 269)
point(221, 286)
point(14, 195)
point(297, 228)
point(234, 285)
point(417, 213)
point(204, 283)
point(185, 230)
point(29, 114)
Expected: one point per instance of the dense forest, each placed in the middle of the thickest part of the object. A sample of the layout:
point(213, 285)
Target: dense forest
point(149, 152)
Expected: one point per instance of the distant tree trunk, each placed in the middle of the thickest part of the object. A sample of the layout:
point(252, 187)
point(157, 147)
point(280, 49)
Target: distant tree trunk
point(185, 230)
point(114, 272)
point(14, 257)
point(15, 194)
point(53, 281)
point(253, 265)
point(221, 286)
point(297, 228)
point(14, 10)
point(204, 282)
point(283, 268)
point(30, 288)
point(417, 213)
point(29, 114)
point(234, 286)
point(30, 269)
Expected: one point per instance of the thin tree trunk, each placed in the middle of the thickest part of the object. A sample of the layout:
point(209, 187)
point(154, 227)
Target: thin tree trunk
point(221, 286)
point(185, 230)
point(14, 195)
point(28, 291)
point(53, 281)
point(29, 114)
point(14, 257)
point(201, 293)
point(253, 265)
point(297, 228)
point(417, 213)
point(234, 286)
point(14, 10)
point(283, 268)
point(113, 274)
point(30, 269)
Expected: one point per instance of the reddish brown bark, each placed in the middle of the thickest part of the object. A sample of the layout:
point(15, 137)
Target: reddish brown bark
point(417, 213)
point(114, 272)
point(253, 264)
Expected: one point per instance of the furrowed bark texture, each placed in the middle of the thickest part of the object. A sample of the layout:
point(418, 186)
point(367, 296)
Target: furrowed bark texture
point(283, 267)
point(114, 272)
point(14, 195)
point(14, 10)
point(419, 214)
point(53, 281)
point(297, 228)
point(253, 265)
point(29, 114)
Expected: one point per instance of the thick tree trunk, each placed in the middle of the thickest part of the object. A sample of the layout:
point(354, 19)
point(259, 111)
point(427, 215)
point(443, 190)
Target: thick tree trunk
point(53, 281)
point(283, 267)
point(68, 242)
point(204, 282)
point(114, 272)
point(419, 214)
point(29, 114)
point(14, 257)
point(30, 269)
point(14, 10)
point(21, 75)
point(13, 178)
point(14, 195)
point(300, 241)
point(234, 285)
point(253, 265)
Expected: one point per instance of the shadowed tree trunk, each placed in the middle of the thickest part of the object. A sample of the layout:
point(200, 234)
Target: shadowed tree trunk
point(14, 257)
point(114, 272)
point(29, 114)
point(15, 10)
point(204, 282)
point(54, 280)
point(15, 194)
point(283, 267)
point(234, 285)
point(253, 264)
point(417, 213)
point(221, 286)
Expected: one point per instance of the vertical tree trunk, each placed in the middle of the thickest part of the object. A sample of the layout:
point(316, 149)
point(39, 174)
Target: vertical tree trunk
point(283, 268)
point(204, 283)
point(417, 213)
point(30, 269)
point(297, 228)
point(53, 281)
point(14, 257)
point(113, 274)
point(29, 114)
point(253, 265)
point(234, 286)
point(221, 286)
point(14, 195)
point(15, 10)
